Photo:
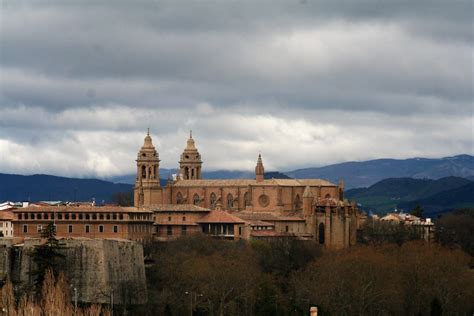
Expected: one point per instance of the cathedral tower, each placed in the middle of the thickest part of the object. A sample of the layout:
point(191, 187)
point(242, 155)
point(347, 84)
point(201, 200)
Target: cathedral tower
point(190, 163)
point(147, 184)
point(259, 170)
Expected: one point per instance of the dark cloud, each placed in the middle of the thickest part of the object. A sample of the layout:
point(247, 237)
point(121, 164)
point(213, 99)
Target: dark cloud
point(333, 81)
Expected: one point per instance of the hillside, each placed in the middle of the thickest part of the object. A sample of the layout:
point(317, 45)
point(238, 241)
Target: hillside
point(366, 173)
point(406, 193)
point(461, 197)
point(45, 187)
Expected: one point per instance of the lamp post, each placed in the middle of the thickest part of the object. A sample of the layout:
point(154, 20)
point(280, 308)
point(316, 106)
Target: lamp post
point(193, 300)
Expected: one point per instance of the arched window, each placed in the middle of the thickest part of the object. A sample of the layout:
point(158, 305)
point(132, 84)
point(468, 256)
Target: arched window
point(179, 198)
point(143, 172)
point(196, 199)
point(321, 234)
point(328, 196)
point(213, 199)
point(230, 201)
point(246, 199)
point(297, 202)
point(150, 174)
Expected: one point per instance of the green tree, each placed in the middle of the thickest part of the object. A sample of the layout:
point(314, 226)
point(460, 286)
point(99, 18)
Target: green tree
point(47, 256)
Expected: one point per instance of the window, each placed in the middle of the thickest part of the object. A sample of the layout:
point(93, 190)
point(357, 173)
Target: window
point(39, 216)
point(230, 201)
point(114, 216)
point(88, 216)
point(169, 218)
point(26, 215)
point(286, 228)
point(169, 230)
point(80, 216)
point(66, 216)
point(121, 216)
point(39, 228)
point(196, 199)
point(25, 228)
point(94, 216)
point(101, 216)
point(240, 230)
point(69, 228)
point(46, 216)
point(107, 216)
point(183, 230)
point(184, 218)
point(32, 215)
point(73, 216)
point(328, 196)
point(179, 198)
point(297, 202)
point(101, 228)
point(20, 216)
point(60, 216)
point(213, 200)
point(247, 199)
point(88, 228)
point(115, 229)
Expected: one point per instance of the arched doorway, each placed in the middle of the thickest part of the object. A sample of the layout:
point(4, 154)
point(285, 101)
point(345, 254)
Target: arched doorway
point(321, 234)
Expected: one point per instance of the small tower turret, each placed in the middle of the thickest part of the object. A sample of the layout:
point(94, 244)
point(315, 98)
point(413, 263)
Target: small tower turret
point(190, 162)
point(259, 170)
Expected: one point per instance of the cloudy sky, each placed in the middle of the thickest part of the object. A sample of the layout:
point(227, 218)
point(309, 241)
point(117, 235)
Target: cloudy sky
point(306, 83)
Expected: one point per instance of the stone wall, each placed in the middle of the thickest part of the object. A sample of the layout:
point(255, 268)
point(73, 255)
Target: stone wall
point(99, 268)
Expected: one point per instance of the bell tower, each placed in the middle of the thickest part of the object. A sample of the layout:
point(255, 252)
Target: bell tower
point(190, 162)
point(147, 185)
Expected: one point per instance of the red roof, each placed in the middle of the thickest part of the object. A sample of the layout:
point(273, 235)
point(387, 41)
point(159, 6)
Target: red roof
point(216, 216)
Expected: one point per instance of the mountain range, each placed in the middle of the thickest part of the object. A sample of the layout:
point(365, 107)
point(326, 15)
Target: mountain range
point(434, 196)
point(367, 173)
point(355, 174)
point(51, 188)
point(438, 183)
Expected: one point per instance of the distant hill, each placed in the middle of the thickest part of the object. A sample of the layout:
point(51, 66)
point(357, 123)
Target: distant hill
point(366, 173)
point(406, 193)
point(461, 197)
point(45, 187)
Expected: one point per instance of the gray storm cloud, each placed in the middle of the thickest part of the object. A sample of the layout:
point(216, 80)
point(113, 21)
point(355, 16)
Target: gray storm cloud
point(306, 83)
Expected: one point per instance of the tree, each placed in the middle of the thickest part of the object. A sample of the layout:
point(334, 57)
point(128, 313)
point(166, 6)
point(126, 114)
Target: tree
point(123, 198)
point(457, 230)
point(417, 211)
point(47, 256)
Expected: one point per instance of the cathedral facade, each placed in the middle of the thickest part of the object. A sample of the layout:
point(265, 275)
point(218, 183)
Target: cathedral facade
point(301, 208)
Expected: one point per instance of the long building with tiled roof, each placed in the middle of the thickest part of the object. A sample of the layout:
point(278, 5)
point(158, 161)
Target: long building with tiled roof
point(302, 208)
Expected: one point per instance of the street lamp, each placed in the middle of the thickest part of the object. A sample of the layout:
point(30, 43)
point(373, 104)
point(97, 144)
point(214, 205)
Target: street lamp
point(193, 300)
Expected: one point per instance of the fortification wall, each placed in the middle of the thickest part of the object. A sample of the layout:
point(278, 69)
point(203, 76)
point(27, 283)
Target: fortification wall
point(98, 268)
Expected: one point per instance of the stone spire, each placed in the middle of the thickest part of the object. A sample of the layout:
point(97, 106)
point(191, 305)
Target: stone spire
point(259, 170)
point(148, 171)
point(190, 162)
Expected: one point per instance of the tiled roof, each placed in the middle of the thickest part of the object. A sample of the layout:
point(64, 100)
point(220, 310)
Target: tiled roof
point(6, 215)
point(270, 217)
point(269, 233)
point(82, 209)
point(177, 207)
point(216, 216)
point(247, 182)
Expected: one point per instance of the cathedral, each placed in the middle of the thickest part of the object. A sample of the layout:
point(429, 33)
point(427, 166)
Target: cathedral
point(257, 208)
